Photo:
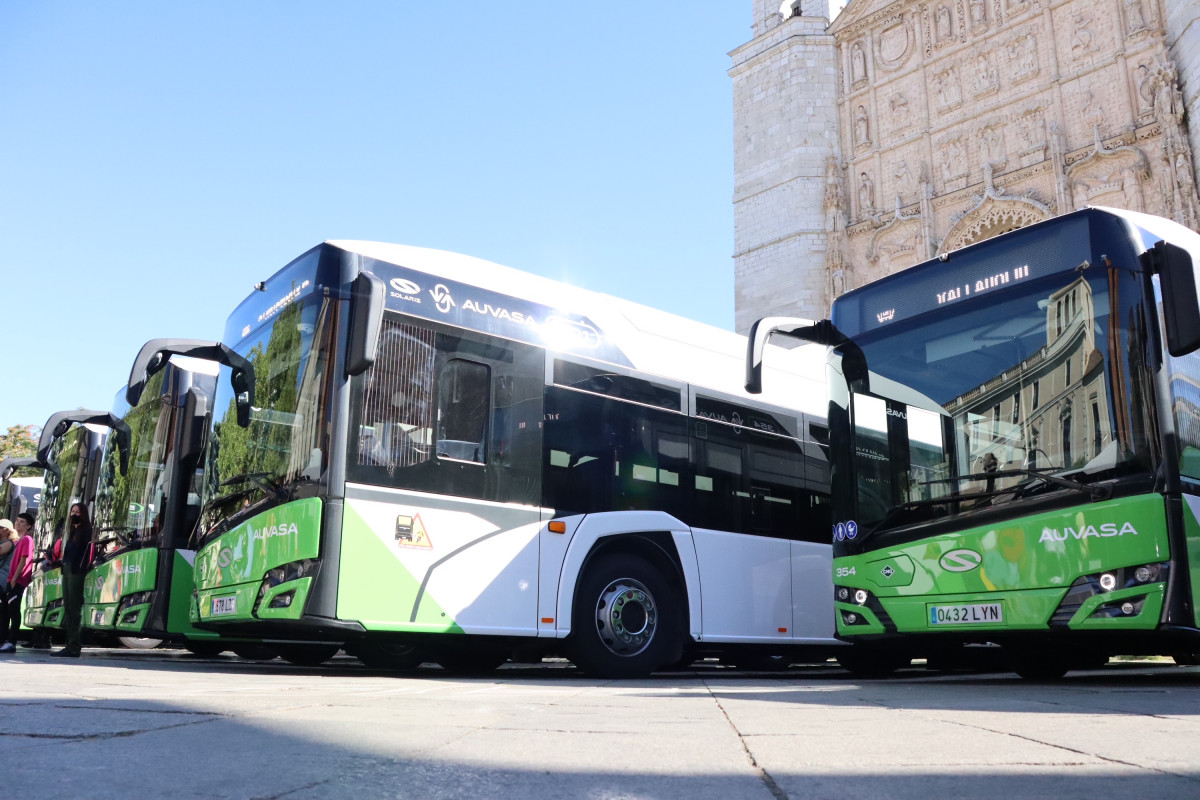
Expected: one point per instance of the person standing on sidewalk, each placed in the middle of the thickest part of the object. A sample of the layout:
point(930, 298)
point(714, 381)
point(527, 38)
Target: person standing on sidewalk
point(8, 543)
point(75, 559)
point(20, 572)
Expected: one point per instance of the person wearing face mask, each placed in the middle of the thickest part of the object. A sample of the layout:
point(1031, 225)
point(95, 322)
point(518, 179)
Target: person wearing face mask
point(75, 560)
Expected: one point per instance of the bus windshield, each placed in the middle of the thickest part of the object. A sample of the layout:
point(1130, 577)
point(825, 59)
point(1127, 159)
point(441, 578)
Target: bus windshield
point(70, 454)
point(1038, 388)
point(284, 451)
point(128, 506)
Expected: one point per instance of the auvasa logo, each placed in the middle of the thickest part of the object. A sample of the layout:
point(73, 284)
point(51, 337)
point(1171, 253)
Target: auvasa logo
point(269, 531)
point(1106, 530)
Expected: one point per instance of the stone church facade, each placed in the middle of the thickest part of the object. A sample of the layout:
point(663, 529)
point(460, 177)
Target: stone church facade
point(910, 128)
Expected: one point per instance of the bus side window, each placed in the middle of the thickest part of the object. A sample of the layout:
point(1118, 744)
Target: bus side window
point(464, 400)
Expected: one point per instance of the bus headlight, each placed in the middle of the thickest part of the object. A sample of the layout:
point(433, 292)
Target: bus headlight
point(1146, 573)
point(860, 596)
point(1108, 581)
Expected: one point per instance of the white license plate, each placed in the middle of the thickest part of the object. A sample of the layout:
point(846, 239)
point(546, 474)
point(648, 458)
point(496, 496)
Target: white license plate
point(98, 616)
point(224, 605)
point(970, 614)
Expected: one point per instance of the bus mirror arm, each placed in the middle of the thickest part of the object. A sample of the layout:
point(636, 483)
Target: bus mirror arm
point(368, 296)
point(8, 465)
point(60, 422)
point(819, 332)
point(155, 354)
point(1181, 310)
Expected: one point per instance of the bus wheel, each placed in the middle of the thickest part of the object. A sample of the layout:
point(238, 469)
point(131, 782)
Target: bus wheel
point(382, 655)
point(625, 623)
point(139, 642)
point(307, 655)
point(471, 662)
point(1187, 659)
point(871, 663)
point(205, 649)
point(255, 652)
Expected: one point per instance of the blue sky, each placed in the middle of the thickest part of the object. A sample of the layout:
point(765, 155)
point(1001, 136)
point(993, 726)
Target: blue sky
point(157, 159)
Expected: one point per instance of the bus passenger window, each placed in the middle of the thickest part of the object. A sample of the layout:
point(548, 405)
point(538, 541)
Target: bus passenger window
point(463, 404)
point(397, 401)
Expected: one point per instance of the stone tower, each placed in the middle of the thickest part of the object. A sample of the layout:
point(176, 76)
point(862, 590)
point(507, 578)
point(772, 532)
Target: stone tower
point(785, 130)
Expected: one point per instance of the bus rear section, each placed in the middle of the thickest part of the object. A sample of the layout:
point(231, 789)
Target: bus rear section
point(472, 491)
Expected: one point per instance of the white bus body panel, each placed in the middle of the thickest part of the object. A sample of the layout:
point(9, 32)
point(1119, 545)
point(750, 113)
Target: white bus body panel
point(746, 587)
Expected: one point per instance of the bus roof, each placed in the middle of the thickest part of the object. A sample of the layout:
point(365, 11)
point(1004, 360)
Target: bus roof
point(654, 341)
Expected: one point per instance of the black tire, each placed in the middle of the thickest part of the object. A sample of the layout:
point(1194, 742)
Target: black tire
point(254, 652)
point(307, 655)
point(870, 663)
point(385, 655)
point(139, 642)
point(470, 662)
point(203, 649)
point(627, 620)
point(1187, 659)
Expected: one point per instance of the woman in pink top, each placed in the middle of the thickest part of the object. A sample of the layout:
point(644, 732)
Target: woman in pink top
point(20, 572)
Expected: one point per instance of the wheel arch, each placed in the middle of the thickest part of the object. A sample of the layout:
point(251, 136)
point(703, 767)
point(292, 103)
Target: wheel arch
point(656, 536)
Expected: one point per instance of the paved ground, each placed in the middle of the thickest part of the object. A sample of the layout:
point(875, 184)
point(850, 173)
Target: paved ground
point(153, 724)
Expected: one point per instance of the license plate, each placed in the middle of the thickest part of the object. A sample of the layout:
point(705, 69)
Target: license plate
point(970, 614)
point(224, 605)
point(98, 616)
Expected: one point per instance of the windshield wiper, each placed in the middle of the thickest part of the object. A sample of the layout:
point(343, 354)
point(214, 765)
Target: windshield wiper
point(1095, 492)
point(1092, 491)
point(259, 480)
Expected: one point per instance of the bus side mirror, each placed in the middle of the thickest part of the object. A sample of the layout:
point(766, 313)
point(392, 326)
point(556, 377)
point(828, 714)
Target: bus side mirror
point(195, 424)
point(243, 393)
point(368, 294)
point(820, 332)
point(1181, 311)
point(124, 442)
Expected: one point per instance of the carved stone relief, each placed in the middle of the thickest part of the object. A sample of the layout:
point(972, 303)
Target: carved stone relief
point(858, 65)
point(991, 146)
point(1023, 57)
point(978, 10)
point(866, 196)
point(894, 43)
point(900, 114)
point(862, 130)
point(986, 79)
point(1083, 41)
point(946, 89)
point(1135, 20)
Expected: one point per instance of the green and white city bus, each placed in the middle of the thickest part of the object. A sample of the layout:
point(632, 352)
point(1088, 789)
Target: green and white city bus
point(140, 584)
point(20, 493)
point(453, 460)
point(1015, 430)
point(72, 456)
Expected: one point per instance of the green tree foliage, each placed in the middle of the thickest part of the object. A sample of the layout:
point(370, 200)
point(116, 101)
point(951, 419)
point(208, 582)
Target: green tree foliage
point(21, 440)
